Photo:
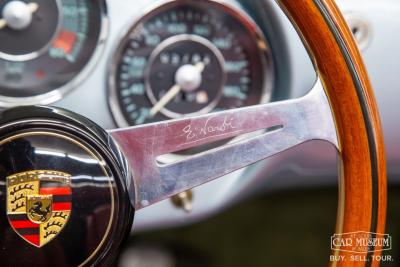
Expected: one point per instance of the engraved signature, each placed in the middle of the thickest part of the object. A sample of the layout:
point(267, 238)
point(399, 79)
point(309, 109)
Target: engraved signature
point(208, 128)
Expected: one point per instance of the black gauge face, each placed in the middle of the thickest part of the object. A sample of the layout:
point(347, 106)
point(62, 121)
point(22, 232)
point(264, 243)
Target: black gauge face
point(188, 58)
point(44, 46)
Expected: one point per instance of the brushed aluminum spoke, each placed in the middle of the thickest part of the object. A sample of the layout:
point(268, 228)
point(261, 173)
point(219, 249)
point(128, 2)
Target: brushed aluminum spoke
point(283, 125)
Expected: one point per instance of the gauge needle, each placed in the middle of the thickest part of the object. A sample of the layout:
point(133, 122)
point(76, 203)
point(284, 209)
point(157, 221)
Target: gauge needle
point(33, 7)
point(3, 23)
point(179, 86)
point(18, 15)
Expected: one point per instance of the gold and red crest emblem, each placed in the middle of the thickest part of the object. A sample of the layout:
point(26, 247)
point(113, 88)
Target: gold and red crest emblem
point(38, 204)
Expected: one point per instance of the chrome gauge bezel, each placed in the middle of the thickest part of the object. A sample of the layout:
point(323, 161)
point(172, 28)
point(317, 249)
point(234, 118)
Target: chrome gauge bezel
point(58, 93)
point(233, 9)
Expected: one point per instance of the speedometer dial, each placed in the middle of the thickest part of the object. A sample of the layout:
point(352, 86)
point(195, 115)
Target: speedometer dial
point(186, 58)
point(46, 46)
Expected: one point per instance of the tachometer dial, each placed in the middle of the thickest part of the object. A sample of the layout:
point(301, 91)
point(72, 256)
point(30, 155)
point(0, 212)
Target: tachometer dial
point(45, 47)
point(186, 58)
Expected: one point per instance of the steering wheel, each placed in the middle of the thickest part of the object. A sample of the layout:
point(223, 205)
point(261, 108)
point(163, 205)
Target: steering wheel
point(69, 189)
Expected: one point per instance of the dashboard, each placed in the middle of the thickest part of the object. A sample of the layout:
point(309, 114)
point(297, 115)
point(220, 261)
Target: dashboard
point(126, 63)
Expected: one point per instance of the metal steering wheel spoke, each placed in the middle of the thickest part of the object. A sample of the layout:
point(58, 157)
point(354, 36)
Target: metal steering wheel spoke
point(276, 126)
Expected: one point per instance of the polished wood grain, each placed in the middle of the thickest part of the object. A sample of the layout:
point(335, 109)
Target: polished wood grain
point(362, 205)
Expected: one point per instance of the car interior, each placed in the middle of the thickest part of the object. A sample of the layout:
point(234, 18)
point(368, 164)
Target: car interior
point(227, 133)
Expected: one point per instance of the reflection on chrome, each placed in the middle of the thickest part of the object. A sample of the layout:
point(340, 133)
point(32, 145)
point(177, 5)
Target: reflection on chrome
point(82, 178)
point(85, 160)
point(64, 155)
point(50, 153)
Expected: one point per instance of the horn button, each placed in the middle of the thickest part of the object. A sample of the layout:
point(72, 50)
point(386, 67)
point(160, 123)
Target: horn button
point(62, 194)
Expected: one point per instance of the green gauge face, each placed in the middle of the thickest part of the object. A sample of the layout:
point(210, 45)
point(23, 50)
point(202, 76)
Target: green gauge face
point(45, 45)
point(216, 49)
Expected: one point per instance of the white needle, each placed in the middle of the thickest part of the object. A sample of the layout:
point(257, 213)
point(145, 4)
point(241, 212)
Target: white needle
point(175, 90)
point(200, 66)
point(33, 7)
point(165, 99)
point(3, 23)
point(18, 15)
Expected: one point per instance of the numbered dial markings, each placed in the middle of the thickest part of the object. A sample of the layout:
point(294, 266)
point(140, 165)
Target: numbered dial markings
point(156, 74)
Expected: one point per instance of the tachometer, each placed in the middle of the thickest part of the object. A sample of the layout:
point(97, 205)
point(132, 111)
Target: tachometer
point(185, 58)
point(46, 46)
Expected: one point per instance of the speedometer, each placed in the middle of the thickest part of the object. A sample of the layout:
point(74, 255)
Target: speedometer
point(188, 58)
point(46, 47)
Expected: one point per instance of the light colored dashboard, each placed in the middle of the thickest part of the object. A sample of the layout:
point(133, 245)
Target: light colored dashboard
point(311, 164)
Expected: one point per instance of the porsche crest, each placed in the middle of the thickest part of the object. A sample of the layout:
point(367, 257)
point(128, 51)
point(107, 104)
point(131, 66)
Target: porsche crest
point(38, 204)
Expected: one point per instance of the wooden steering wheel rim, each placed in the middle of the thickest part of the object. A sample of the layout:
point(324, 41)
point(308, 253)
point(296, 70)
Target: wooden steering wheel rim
point(362, 189)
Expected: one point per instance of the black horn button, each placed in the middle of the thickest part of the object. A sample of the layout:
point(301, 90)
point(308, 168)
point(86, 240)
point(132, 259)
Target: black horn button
point(62, 189)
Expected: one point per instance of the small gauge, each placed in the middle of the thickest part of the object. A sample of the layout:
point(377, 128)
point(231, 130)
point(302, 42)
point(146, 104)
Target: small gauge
point(46, 46)
point(188, 58)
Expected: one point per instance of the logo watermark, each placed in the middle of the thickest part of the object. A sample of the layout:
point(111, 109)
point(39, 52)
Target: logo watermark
point(358, 244)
